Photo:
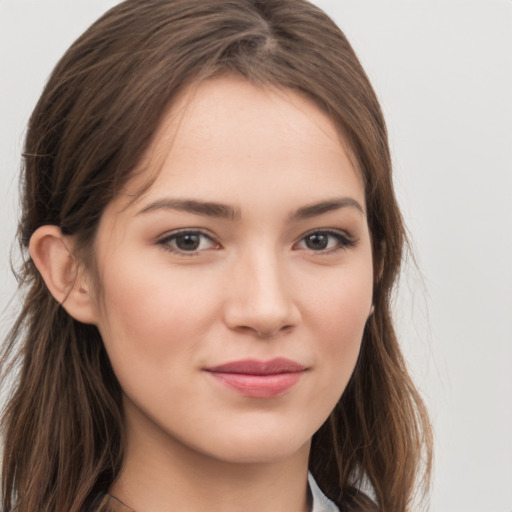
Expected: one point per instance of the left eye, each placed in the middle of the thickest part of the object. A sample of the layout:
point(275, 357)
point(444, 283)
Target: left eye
point(187, 241)
point(324, 241)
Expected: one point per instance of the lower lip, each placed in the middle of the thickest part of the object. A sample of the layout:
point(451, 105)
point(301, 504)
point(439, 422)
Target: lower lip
point(259, 386)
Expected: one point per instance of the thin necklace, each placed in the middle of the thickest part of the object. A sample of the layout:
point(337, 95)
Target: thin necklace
point(112, 504)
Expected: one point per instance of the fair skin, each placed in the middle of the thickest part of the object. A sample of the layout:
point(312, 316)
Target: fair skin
point(280, 266)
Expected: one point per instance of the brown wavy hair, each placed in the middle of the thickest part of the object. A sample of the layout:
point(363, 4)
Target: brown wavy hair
point(63, 422)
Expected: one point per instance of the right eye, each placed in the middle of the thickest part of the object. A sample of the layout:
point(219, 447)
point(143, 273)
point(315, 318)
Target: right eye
point(187, 242)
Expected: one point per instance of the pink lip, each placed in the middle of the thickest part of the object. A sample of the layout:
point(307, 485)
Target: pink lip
point(259, 379)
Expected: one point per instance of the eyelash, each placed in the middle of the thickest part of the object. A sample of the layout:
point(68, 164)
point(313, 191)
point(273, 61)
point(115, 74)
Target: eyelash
point(343, 241)
point(167, 240)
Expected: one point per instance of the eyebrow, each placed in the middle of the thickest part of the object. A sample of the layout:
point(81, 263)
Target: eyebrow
point(224, 211)
point(206, 208)
point(312, 210)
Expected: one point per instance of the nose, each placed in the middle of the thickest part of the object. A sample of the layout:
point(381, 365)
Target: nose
point(261, 299)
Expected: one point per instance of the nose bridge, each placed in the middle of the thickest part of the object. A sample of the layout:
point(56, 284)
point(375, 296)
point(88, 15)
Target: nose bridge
point(261, 299)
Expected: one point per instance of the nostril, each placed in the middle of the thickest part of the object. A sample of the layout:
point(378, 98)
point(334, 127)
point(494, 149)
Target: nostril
point(269, 333)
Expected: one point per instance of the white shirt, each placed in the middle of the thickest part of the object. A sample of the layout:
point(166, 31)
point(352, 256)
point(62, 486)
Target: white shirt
point(321, 503)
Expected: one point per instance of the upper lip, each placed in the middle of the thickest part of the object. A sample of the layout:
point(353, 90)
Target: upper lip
point(255, 367)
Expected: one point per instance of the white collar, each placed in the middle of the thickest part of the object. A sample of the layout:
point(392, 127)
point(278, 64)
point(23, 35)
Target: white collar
point(321, 503)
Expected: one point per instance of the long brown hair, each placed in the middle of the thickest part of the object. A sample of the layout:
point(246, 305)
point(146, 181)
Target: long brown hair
point(63, 423)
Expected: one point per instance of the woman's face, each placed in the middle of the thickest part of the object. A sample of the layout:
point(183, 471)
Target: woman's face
point(235, 290)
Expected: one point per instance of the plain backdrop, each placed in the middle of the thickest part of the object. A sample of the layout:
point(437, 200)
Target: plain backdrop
point(443, 72)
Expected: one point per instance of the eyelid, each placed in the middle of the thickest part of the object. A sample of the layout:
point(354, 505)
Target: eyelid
point(164, 241)
point(345, 240)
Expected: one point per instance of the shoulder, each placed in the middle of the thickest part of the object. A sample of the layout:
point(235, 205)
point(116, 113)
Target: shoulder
point(352, 500)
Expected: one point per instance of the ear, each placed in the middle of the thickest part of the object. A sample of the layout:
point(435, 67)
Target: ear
point(51, 252)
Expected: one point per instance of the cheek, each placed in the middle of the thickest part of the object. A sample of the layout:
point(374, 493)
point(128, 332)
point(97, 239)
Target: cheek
point(152, 313)
point(342, 303)
point(338, 317)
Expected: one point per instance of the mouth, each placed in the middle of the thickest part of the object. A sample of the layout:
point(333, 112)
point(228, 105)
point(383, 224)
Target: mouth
point(259, 379)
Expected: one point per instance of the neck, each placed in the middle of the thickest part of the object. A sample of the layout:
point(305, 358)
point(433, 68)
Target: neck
point(160, 474)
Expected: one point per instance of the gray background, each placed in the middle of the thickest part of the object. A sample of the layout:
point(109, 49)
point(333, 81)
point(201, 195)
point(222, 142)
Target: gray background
point(443, 72)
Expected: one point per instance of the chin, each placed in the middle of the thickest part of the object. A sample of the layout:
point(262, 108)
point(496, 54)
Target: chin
point(261, 454)
point(259, 447)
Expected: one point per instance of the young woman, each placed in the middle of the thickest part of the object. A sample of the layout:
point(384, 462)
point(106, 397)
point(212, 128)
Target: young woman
point(211, 240)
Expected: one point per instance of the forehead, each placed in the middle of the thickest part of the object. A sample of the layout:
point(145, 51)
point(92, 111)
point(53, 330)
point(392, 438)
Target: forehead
point(227, 130)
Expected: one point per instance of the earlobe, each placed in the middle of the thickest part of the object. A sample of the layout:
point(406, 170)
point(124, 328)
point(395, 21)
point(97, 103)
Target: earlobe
point(51, 252)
